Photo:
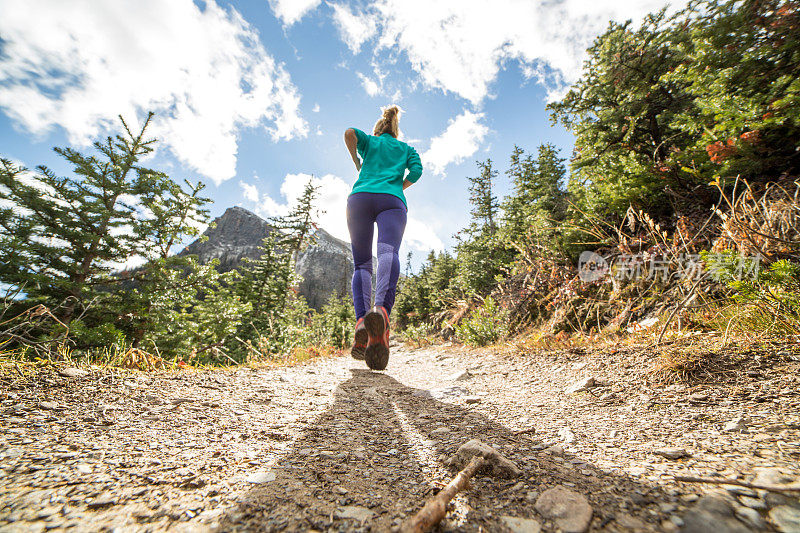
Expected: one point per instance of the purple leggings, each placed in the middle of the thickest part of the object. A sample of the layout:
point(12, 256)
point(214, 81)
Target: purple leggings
point(387, 210)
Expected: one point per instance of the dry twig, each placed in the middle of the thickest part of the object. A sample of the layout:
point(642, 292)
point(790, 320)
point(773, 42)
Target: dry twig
point(436, 507)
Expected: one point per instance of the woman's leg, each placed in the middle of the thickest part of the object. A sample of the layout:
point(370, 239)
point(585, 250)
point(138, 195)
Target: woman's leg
point(391, 225)
point(360, 220)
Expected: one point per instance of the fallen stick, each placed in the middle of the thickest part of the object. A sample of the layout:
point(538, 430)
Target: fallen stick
point(795, 487)
point(436, 507)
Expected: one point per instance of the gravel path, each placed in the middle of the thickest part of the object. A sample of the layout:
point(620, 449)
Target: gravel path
point(331, 446)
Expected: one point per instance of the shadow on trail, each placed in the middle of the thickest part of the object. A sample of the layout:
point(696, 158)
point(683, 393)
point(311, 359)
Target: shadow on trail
point(374, 453)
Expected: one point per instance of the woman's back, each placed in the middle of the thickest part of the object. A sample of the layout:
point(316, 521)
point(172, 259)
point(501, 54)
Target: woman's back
point(384, 163)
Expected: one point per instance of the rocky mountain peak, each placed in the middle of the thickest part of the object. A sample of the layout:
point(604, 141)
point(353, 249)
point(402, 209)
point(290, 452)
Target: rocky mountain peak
point(326, 266)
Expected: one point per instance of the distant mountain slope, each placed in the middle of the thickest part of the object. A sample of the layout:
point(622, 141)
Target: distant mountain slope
point(326, 266)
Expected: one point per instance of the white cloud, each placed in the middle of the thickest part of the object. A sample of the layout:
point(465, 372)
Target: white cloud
point(249, 191)
point(354, 29)
point(420, 236)
point(203, 71)
point(291, 11)
point(315, 109)
point(370, 85)
point(460, 140)
point(332, 202)
point(459, 45)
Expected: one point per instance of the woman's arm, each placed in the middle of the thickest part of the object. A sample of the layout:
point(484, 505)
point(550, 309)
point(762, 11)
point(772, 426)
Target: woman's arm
point(407, 184)
point(350, 140)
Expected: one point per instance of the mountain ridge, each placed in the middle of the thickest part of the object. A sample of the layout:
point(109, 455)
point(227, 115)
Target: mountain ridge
point(325, 266)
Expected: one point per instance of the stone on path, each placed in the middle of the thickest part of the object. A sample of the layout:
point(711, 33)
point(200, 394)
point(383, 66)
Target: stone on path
point(770, 476)
point(261, 477)
point(443, 393)
point(672, 453)
point(566, 434)
point(521, 525)
point(497, 466)
point(712, 513)
point(786, 518)
point(460, 375)
point(50, 406)
point(569, 509)
point(555, 450)
point(737, 425)
point(631, 522)
point(582, 385)
point(103, 500)
point(356, 512)
point(72, 372)
point(751, 517)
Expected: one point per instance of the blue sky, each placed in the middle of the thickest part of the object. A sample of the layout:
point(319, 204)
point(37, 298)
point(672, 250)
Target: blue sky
point(252, 97)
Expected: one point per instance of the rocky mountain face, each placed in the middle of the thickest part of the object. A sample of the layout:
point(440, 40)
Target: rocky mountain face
point(325, 266)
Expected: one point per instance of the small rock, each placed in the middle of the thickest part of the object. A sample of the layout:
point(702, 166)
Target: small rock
point(555, 450)
point(83, 468)
point(461, 375)
point(667, 508)
point(751, 517)
point(770, 476)
point(786, 518)
point(445, 393)
point(582, 385)
point(566, 434)
point(570, 510)
point(737, 425)
point(630, 522)
point(440, 431)
point(698, 397)
point(672, 453)
point(521, 525)
point(50, 406)
point(72, 372)
point(712, 513)
point(497, 465)
point(472, 400)
point(355, 512)
point(261, 477)
point(531, 495)
point(753, 503)
point(103, 500)
point(741, 491)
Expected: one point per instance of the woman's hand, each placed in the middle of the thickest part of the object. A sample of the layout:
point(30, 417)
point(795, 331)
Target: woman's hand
point(357, 163)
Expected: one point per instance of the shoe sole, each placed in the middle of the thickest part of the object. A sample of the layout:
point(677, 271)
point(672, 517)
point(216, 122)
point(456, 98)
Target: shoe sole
point(361, 337)
point(376, 355)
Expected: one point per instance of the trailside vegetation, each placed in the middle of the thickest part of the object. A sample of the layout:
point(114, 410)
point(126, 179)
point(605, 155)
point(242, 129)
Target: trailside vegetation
point(89, 270)
point(683, 181)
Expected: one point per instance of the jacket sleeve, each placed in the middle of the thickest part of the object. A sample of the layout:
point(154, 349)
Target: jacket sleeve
point(414, 166)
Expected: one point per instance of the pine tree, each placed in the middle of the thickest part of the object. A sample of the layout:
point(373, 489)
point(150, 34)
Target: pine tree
point(539, 200)
point(63, 241)
point(61, 238)
point(482, 199)
point(298, 226)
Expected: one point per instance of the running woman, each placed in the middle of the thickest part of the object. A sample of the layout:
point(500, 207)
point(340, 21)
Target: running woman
point(378, 198)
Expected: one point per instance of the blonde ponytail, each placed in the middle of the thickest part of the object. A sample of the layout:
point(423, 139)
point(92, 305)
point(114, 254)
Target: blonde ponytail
point(389, 122)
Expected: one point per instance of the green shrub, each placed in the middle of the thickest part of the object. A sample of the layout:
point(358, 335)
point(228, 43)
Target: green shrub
point(765, 299)
point(486, 324)
point(417, 334)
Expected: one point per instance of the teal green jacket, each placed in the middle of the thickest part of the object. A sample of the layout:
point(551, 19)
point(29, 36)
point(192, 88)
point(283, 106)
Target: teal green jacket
point(384, 161)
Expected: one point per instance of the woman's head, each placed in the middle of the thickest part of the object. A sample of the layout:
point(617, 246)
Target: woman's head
point(389, 122)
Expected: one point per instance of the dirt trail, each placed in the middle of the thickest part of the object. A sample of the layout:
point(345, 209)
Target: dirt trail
point(331, 446)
